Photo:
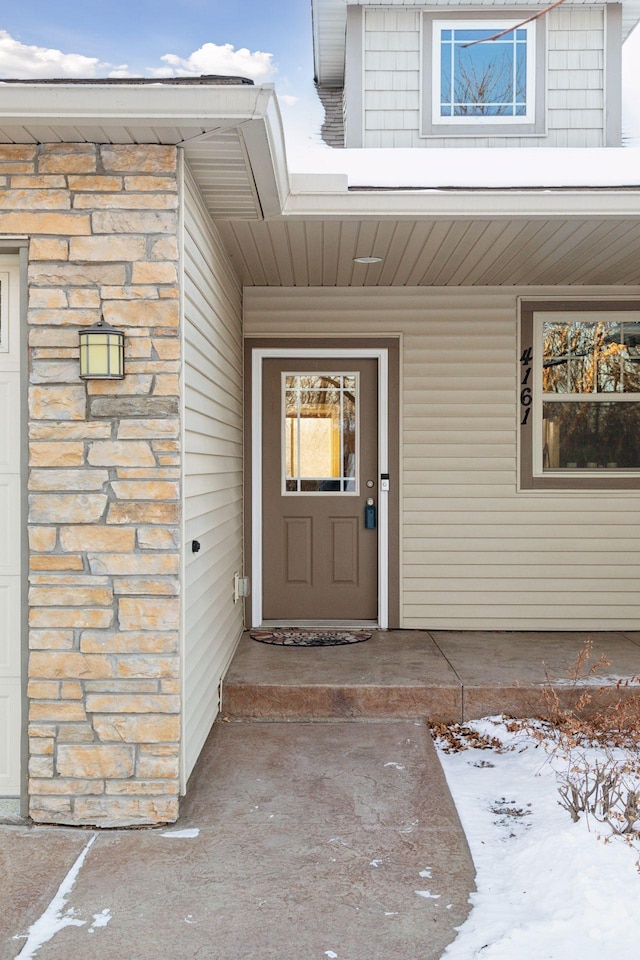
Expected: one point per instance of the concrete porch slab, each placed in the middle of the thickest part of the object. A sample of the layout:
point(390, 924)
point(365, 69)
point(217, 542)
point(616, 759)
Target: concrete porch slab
point(445, 676)
point(312, 840)
point(505, 671)
point(396, 674)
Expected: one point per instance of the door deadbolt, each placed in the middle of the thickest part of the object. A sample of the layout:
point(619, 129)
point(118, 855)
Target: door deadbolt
point(370, 514)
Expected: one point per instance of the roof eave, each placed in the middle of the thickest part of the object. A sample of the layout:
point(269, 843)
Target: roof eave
point(50, 105)
point(362, 204)
point(180, 115)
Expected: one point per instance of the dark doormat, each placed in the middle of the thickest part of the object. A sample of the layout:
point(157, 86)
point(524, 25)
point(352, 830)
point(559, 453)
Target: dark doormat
point(295, 637)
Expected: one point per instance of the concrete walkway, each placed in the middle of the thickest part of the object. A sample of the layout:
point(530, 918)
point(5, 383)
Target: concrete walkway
point(314, 841)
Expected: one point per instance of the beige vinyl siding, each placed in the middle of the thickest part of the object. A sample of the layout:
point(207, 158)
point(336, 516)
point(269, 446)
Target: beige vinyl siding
point(213, 469)
point(575, 88)
point(476, 553)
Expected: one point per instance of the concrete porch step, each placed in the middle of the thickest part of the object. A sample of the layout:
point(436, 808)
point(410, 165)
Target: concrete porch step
point(444, 676)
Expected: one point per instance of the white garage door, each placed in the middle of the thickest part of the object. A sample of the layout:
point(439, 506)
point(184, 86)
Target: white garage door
point(10, 684)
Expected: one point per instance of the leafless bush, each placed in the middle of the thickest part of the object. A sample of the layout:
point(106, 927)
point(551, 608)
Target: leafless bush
point(602, 785)
point(589, 713)
point(606, 787)
point(606, 790)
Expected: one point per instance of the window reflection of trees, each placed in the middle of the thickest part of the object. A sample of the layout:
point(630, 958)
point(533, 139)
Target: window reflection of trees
point(488, 89)
point(481, 74)
point(319, 397)
point(597, 357)
point(583, 359)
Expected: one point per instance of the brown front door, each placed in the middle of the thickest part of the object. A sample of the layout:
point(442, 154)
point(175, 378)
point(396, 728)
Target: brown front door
point(320, 467)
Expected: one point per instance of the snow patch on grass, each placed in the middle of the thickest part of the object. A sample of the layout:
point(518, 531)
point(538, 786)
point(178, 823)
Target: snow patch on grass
point(546, 886)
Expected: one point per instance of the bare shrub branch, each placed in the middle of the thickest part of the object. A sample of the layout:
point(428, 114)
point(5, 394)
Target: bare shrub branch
point(522, 23)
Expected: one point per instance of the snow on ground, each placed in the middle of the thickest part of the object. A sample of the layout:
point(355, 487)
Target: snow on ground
point(596, 680)
point(100, 920)
point(547, 888)
point(188, 833)
point(56, 917)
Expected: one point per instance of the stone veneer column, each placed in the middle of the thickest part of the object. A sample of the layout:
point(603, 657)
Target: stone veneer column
point(104, 480)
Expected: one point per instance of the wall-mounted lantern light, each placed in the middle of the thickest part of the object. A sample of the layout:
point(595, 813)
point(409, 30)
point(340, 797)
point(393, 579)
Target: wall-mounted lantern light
point(101, 352)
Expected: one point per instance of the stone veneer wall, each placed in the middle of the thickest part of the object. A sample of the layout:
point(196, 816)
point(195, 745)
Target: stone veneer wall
point(332, 130)
point(104, 480)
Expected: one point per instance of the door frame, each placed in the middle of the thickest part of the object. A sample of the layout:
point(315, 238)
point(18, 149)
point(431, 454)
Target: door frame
point(258, 355)
point(13, 264)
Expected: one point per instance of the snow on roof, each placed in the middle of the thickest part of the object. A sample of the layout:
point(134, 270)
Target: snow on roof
point(212, 79)
point(472, 167)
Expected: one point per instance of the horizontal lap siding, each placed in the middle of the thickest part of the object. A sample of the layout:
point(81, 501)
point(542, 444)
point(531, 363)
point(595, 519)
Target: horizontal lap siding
point(475, 553)
point(213, 468)
point(575, 89)
point(391, 78)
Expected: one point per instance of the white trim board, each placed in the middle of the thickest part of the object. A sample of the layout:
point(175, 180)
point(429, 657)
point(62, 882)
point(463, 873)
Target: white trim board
point(258, 355)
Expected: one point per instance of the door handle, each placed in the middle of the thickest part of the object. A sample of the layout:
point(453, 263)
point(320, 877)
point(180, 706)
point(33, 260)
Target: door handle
point(370, 514)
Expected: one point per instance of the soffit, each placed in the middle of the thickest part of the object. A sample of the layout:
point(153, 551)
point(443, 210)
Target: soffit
point(233, 141)
point(226, 132)
point(330, 22)
point(437, 252)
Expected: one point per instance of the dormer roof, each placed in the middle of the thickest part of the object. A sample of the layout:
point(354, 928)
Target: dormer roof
point(330, 21)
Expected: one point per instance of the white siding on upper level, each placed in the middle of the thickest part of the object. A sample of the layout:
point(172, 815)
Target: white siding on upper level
point(330, 17)
point(213, 469)
point(392, 82)
point(475, 553)
point(392, 78)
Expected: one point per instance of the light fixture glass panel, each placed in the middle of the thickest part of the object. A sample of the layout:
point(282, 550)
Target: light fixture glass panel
point(101, 353)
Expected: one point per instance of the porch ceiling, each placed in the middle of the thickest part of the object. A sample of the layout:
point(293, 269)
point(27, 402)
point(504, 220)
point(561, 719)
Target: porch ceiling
point(438, 252)
point(305, 230)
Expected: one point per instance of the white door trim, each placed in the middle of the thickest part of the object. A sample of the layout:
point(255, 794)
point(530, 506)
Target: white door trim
point(259, 354)
point(11, 532)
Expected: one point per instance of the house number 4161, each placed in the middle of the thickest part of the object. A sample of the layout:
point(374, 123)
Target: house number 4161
point(526, 394)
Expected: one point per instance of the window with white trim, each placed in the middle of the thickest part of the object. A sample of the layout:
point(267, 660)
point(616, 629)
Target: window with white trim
point(476, 78)
point(580, 397)
point(320, 432)
point(475, 86)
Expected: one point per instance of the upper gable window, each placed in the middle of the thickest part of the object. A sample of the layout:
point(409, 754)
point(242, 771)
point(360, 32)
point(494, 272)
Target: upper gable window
point(476, 78)
point(476, 86)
